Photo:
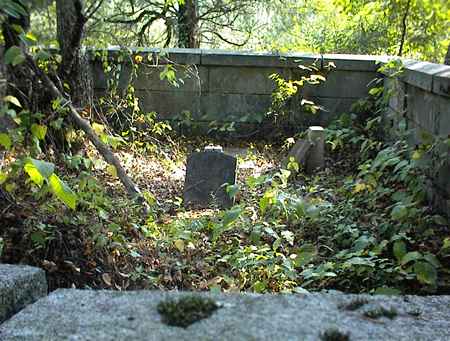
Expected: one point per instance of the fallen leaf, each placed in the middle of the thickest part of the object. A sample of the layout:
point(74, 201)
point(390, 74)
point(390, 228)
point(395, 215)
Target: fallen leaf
point(107, 279)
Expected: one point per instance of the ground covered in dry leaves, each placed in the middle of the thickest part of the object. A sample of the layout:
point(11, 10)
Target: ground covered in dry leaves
point(287, 233)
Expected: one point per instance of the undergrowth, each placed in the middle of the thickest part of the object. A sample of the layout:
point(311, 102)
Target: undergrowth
point(360, 225)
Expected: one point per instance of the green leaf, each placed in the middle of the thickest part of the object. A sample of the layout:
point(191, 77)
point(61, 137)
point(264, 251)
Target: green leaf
point(99, 129)
point(426, 137)
point(39, 131)
point(446, 244)
point(14, 56)
point(5, 141)
point(401, 165)
point(3, 177)
point(15, 9)
point(399, 249)
point(387, 291)
point(230, 216)
point(411, 256)
point(267, 200)
point(38, 170)
point(57, 124)
point(288, 236)
point(426, 273)
point(313, 211)
point(232, 190)
point(179, 244)
point(432, 259)
point(399, 212)
point(62, 191)
point(359, 261)
point(38, 238)
point(306, 254)
point(300, 290)
point(375, 91)
point(12, 100)
point(440, 220)
point(417, 155)
point(259, 287)
point(112, 170)
point(30, 37)
point(253, 182)
point(43, 55)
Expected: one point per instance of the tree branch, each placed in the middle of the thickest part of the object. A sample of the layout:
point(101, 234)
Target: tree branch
point(404, 28)
point(131, 188)
point(228, 41)
point(93, 8)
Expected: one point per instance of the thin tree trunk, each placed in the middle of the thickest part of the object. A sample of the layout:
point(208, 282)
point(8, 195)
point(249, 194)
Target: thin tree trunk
point(188, 24)
point(404, 29)
point(11, 74)
point(5, 124)
point(3, 83)
point(447, 56)
point(84, 125)
point(75, 68)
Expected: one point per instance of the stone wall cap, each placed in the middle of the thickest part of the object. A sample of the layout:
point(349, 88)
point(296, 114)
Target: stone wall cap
point(427, 67)
point(441, 82)
point(420, 74)
point(255, 58)
point(363, 57)
point(350, 62)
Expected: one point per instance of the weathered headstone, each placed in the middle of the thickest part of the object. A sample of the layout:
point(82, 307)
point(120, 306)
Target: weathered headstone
point(309, 152)
point(300, 152)
point(206, 174)
point(316, 155)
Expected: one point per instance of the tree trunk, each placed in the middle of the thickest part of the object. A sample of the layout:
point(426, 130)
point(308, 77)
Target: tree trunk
point(9, 75)
point(74, 72)
point(5, 124)
point(447, 56)
point(188, 24)
point(2, 94)
point(75, 69)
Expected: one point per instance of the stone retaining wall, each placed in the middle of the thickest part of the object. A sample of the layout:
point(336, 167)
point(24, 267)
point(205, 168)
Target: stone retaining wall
point(419, 104)
point(220, 85)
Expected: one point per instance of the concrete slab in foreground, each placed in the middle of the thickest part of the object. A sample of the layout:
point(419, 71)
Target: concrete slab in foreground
point(107, 315)
point(20, 285)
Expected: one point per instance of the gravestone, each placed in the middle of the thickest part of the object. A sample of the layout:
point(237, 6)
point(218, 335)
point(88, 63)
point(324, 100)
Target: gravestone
point(316, 157)
point(300, 152)
point(206, 174)
point(309, 152)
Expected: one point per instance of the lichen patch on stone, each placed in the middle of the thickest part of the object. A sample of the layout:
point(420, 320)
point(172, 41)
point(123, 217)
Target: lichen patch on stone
point(186, 310)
